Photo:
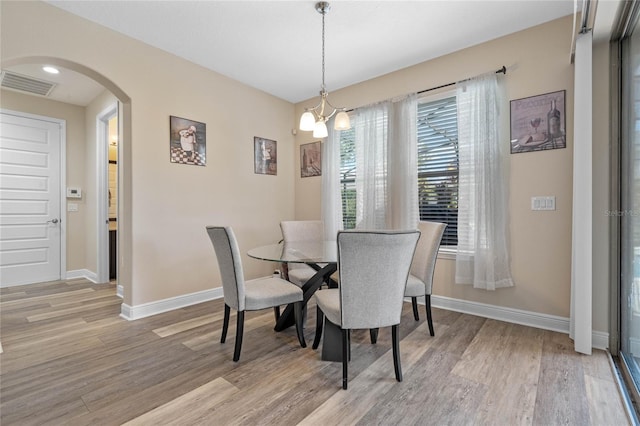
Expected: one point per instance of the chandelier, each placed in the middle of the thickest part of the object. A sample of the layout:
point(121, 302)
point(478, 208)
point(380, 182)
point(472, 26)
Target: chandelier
point(316, 118)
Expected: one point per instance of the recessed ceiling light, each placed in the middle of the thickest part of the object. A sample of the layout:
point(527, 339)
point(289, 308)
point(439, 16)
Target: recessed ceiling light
point(51, 70)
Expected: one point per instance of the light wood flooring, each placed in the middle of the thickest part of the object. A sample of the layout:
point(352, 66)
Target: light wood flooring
point(68, 359)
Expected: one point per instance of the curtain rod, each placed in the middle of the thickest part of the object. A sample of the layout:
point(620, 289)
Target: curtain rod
point(502, 70)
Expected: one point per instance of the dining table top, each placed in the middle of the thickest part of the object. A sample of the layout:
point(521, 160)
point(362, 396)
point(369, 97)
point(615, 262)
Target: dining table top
point(298, 252)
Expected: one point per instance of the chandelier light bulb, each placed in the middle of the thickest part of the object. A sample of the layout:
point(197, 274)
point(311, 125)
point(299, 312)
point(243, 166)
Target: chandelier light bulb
point(342, 121)
point(307, 121)
point(320, 130)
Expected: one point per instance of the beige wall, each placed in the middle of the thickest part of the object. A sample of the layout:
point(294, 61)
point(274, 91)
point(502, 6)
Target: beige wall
point(538, 62)
point(168, 205)
point(75, 174)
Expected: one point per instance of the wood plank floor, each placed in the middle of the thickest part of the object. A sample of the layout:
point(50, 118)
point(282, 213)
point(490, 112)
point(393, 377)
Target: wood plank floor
point(68, 359)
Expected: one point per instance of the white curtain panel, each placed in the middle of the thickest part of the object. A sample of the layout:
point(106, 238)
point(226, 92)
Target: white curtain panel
point(483, 252)
point(580, 325)
point(331, 195)
point(371, 127)
point(402, 165)
point(386, 165)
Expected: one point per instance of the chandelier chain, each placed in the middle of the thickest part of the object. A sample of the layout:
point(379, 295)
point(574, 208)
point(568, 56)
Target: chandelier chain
point(323, 14)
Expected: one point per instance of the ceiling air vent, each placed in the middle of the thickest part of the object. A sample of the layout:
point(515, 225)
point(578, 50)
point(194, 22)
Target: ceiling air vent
point(23, 83)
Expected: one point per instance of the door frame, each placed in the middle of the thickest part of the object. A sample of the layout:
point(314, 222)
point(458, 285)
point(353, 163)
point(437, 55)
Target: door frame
point(102, 189)
point(62, 171)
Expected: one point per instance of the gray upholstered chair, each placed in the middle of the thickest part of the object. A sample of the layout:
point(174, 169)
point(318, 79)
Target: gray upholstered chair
point(373, 266)
point(251, 295)
point(420, 282)
point(301, 230)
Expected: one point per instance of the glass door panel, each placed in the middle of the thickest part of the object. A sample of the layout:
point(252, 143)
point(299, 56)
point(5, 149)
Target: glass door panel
point(630, 202)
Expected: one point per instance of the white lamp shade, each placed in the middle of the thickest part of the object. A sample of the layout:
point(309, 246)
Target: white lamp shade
point(320, 130)
point(342, 121)
point(307, 121)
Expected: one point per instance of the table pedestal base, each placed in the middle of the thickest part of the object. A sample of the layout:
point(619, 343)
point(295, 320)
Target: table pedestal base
point(309, 288)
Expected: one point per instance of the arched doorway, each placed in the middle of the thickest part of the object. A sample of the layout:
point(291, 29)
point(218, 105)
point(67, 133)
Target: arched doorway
point(124, 242)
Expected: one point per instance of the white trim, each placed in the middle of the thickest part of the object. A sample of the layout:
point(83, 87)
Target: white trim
point(62, 179)
point(82, 273)
point(120, 291)
point(102, 185)
point(516, 316)
point(152, 308)
point(447, 252)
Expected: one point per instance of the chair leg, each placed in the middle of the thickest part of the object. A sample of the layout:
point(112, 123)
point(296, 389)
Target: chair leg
point(297, 312)
point(225, 323)
point(414, 305)
point(319, 323)
point(396, 352)
point(373, 333)
point(276, 312)
point(345, 357)
point(239, 330)
point(427, 305)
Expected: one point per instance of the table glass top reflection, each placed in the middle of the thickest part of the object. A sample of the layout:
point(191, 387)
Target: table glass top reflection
point(298, 252)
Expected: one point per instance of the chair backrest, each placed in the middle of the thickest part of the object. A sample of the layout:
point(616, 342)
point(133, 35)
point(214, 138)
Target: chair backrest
point(230, 264)
point(374, 267)
point(302, 230)
point(424, 260)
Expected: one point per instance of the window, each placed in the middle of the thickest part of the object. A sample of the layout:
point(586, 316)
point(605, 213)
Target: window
point(437, 133)
point(348, 177)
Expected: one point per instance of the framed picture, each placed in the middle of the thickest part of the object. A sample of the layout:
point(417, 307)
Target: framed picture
point(265, 156)
point(538, 123)
point(311, 159)
point(187, 141)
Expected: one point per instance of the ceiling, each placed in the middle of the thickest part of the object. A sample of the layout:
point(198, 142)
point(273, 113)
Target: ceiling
point(275, 46)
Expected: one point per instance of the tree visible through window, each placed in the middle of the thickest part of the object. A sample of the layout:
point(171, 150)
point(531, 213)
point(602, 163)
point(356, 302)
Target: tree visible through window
point(348, 177)
point(437, 133)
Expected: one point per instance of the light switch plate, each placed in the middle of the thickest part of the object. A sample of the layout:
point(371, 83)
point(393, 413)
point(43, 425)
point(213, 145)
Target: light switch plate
point(72, 207)
point(543, 203)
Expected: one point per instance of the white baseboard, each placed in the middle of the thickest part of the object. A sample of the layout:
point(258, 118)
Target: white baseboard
point(152, 308)
point(600, 339)
point(120, 291)
point(82, 273)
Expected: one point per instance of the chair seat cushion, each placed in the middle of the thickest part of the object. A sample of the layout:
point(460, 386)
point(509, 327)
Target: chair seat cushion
point(267, 292)
point(329, 303)
point(415, 287)
point(299, 276)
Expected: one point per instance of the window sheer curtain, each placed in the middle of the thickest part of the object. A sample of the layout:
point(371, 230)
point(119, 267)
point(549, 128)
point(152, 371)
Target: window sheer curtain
point(386, 165)
point(483, 241)
point(331, 191)
point(371, 166)
point(402, 166)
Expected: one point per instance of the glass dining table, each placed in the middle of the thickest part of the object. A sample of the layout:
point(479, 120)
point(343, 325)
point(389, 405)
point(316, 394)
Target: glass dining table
point(322, 256)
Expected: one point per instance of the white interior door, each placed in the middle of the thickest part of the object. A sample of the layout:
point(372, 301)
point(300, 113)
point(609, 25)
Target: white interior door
point(30, 214)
